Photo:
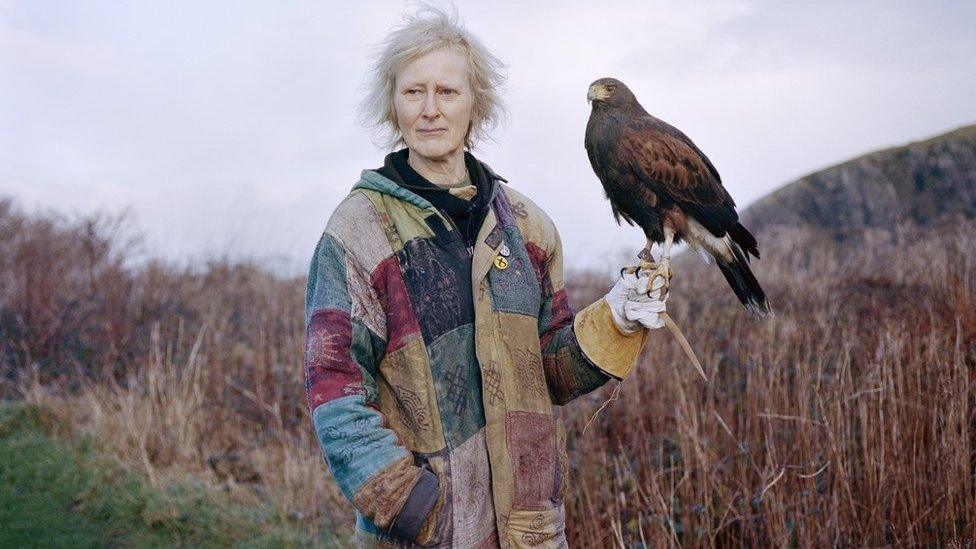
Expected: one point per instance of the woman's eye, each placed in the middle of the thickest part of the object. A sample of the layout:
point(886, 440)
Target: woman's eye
point(449, 92)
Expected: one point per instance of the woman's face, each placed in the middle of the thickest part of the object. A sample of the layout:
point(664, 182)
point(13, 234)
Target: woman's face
point(433, 103)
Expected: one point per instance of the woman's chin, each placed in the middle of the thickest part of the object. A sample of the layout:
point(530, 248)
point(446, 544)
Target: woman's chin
point(434, 151)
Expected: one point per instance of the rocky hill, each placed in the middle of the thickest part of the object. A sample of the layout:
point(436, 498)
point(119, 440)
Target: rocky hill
point(920, 183)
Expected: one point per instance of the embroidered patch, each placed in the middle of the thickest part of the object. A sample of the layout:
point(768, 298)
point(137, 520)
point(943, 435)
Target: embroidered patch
point(519, 210)
point(413, 410)
point(538, 258)
point(438, 281)
point(532, 448)
point(528, 371)
point(457, 385)
point(357, 223)
point(503, 211)
point(538, 528)
point(330, 371)
point(493, 384)
point(494, 238)
point(407, 397)
point(474, 513)
point(342, 454)
point(515, 289)
point(401, 322)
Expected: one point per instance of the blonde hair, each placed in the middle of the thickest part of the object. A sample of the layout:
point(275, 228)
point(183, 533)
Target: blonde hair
point(427, 29)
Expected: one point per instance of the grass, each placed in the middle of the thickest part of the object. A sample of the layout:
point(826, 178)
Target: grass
point(848, 419)
point(66, 493)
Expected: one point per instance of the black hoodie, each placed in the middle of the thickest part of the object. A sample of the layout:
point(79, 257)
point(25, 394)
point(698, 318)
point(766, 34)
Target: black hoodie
point(466, 215)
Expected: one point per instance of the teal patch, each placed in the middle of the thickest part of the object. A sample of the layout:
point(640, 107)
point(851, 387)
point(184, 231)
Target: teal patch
point(327, 287)
point(515, 288)
point(457, 385)
point(354, 441)
point(545, 315)
point(367, 350)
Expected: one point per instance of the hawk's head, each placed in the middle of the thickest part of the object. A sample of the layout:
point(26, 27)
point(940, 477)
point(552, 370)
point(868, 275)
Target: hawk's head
point(609, 91)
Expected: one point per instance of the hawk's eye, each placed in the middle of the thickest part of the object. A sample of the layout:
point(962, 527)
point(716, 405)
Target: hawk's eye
point(611, 88)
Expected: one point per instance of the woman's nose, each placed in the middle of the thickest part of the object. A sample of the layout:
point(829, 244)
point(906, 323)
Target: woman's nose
point(430, 106)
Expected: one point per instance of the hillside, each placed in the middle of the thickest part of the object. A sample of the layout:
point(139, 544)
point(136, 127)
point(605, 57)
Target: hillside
point(921, 183)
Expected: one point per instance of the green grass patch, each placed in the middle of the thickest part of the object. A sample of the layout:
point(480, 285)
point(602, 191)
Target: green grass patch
point(58, 492)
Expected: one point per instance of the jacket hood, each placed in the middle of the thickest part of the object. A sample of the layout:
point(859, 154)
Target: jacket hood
point(373, 181)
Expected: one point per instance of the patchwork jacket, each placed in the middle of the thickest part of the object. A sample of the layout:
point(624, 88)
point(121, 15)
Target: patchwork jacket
point(432, 369)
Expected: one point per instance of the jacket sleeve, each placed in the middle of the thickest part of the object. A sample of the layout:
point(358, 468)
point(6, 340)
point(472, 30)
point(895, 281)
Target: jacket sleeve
point(583, 351)
point(345, 339)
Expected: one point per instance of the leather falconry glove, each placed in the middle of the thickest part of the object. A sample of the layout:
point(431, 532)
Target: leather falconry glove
point(631, 306)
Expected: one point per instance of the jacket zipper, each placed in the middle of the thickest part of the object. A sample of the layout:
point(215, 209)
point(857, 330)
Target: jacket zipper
point(457, 232)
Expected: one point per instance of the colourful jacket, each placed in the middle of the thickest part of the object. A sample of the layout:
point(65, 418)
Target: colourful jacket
point(432, 371)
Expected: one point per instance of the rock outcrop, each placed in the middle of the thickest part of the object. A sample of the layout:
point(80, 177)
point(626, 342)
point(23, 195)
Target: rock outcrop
point(921, 183)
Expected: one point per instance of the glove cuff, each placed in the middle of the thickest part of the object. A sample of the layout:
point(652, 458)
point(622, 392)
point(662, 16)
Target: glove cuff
point(604, 343)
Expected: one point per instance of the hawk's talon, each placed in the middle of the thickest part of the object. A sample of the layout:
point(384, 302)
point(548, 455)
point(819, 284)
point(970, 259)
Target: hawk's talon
point(663, 270)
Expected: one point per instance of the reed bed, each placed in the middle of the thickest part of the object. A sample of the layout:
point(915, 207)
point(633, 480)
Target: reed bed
point(846, 419)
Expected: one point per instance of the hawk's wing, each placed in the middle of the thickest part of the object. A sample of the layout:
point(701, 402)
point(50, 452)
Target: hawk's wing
point(670, 164)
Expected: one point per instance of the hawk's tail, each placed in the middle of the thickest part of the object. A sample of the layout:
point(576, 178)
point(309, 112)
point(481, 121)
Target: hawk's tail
point(741, 236)
point(743, 282)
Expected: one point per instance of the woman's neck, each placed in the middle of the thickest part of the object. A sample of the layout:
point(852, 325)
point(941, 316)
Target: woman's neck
point(443, 173)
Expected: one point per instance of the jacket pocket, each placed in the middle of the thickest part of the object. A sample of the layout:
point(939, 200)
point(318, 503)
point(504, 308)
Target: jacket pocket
point(537, 528)
point(435, 526)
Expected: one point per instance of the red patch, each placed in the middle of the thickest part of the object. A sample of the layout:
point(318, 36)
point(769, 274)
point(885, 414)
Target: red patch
point(538, 258)
point(562, 315)
point(330, 371)
point(401, 322)
point(532, 447)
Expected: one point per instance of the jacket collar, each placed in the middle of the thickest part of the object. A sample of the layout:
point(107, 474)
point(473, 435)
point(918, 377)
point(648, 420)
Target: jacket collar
point(485, 248)
point(375, 181)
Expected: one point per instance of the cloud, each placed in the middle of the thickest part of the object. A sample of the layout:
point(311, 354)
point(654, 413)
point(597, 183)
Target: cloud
point(231, 127)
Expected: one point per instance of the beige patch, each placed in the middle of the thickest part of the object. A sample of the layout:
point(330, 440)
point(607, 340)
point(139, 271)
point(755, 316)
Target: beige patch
point(381, 497)
point(407, 398)
point(403, 221)
point(520, 364)
point(358, 225)
point(545, 529)
point(365, 303)
point(474, 514)
point(534, 224)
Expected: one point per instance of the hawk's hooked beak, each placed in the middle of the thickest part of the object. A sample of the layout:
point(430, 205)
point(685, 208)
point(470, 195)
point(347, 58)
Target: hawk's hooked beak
point(590, 94)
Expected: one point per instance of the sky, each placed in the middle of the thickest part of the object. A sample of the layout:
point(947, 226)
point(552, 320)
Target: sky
point(229, 128)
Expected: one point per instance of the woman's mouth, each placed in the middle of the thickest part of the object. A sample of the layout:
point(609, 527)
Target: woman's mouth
point(435, 132)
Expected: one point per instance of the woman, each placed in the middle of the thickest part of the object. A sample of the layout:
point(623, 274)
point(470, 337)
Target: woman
point(439, 335)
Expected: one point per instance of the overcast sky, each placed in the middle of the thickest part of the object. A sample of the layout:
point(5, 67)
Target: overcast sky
point(229, 127)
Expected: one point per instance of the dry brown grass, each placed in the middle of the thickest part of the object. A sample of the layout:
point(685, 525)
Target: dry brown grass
point(847, 419)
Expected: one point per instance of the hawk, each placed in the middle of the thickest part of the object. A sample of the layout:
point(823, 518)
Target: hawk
point(656, 177)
